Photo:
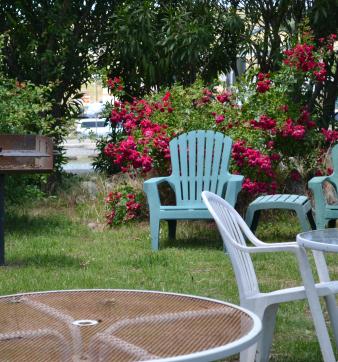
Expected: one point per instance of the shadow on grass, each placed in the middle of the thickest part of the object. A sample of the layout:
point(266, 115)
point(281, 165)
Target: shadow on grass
point(46, 260)
point(212, 242)
point(193, 235)
point(33, 225)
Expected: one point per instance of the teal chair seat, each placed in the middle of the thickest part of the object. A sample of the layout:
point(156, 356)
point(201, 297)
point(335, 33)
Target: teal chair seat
point(200, 162)
point(184, 213)
point(325, 213)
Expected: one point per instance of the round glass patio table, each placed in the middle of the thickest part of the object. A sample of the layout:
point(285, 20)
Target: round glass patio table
point(121, 325)
point(322, 240)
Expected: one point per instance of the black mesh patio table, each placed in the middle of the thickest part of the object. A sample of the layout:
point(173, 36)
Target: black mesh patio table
point(121, 325)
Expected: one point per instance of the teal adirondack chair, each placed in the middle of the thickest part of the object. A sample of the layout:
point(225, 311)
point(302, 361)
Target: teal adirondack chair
point(200, 162)
point(325, 213)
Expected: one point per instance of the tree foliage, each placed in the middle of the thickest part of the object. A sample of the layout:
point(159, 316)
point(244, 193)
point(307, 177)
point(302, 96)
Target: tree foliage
point(157, 43)
point(23, 106)
point(151, 43)
point(53, 43)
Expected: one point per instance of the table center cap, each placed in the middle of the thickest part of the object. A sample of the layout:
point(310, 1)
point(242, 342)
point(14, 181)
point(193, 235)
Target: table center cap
point(85, 322)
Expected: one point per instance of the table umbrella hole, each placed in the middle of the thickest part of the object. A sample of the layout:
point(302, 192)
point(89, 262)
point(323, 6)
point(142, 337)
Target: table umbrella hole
point(85, 322)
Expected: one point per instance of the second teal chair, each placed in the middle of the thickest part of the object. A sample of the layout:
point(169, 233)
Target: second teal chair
point(325, 213)
point(200, 162)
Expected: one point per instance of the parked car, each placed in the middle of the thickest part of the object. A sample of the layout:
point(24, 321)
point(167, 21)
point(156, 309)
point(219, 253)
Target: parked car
point(91, 122)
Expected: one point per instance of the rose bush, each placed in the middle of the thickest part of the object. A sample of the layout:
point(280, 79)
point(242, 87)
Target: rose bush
point(125, 204)
point(146, 143)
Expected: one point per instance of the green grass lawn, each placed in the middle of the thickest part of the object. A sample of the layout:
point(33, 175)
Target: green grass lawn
point(50, 246)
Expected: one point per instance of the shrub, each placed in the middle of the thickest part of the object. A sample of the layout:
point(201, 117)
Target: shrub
point(145, 145)
point(125, 204)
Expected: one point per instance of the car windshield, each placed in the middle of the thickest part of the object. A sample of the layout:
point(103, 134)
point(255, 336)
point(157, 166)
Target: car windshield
point(91, 124)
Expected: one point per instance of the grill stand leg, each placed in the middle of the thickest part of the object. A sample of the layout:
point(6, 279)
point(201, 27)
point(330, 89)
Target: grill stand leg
point(2, 219)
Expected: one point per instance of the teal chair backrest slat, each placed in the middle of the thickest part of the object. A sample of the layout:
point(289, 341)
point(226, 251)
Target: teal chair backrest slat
point(191, 139)
point(334, 159)
point(200, 161)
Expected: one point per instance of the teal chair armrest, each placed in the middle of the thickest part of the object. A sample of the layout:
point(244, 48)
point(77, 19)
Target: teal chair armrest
point(150, 187)
point(318, 180)
point(316, 186)
point(234, 186)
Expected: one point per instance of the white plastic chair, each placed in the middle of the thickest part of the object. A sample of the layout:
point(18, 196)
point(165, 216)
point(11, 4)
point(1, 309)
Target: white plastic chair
point(233, 230)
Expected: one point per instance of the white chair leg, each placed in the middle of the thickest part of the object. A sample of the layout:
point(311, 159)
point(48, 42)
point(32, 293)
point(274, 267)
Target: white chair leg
point(249, 354)
point(265, 342)
point(260, 351)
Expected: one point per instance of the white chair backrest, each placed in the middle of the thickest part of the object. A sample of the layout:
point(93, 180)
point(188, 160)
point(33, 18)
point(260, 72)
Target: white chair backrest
point(231, 227)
